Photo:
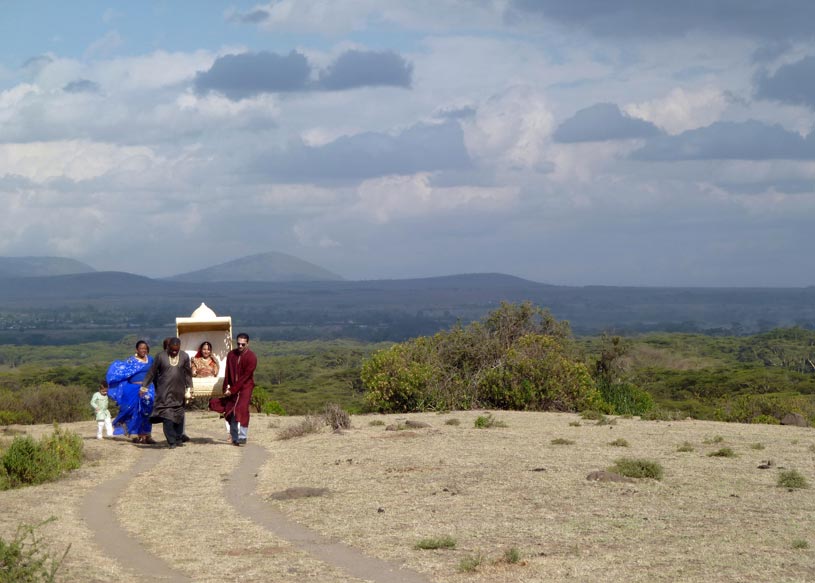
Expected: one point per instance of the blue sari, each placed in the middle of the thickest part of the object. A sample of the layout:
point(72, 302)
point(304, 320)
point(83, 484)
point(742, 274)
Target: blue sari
point(124, 381)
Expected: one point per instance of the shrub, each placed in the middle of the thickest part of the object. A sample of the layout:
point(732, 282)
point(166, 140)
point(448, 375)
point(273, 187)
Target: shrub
point(722, 452)
point(574, 423)
point(336, 417)
point(685, 447)
point(619, 443)
point(756, 446)
point(800, 543)
point(50, 403)
point(518, 357)
point(272, 407)
point(603, 420)
point(714, 439)
point(637, 468)
point(561, 441)
point(26, 463)
point(24, 559)
point(512, 556)
point(765, 419)
point(309, 424)
point(442, 542)
point(452, 422)
point(626, 398)
point(792, 479)
point(66, 446)
point(470, 563)
point(375, 422)
point(591, 415)
point(487, 421)
point(662, 414)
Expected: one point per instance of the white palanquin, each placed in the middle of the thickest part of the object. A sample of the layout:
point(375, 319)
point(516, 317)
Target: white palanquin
point(203, 325)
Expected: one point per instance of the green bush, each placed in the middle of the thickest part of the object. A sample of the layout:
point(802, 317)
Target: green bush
point(441, 542)
point(50, 403)
point(518, 357)
point(792, 479)
point(637, 468)
point(626, 398)
point(765, 419)
point(722, 452)
point(23, 559)
point(487, 421)
point(28, 462)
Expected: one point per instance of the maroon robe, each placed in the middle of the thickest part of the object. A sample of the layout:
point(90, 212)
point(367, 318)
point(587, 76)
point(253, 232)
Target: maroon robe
point(239, 376)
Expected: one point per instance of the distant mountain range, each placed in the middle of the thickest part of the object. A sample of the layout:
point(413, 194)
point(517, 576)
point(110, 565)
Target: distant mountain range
point(268, 267)
point(271, 267)
point(41, 266)
point(315, 303)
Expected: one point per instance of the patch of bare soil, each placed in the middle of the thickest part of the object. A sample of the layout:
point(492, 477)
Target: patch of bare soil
point(492, 490)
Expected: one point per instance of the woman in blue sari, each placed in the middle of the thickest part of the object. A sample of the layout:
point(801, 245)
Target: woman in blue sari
point(124, 379)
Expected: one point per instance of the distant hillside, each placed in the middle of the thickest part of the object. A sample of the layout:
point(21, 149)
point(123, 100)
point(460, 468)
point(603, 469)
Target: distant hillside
point(266, 267)
point(41, 266)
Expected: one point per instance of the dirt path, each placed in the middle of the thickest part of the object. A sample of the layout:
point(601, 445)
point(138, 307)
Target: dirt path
point(115, 540)
point(126, 549)
point(243, 497)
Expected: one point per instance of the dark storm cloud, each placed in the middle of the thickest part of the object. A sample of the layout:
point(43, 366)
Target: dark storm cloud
point(366, 69)
point(749, 140)
point(81, 86)
point(368, 155)
point(793, 83)
point(776, 19)
point(602, 122)
point(249, 74)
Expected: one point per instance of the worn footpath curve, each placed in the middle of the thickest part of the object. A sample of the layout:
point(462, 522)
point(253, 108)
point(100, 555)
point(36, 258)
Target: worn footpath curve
point(126, 549)
point(112, 537)
point(242, 495)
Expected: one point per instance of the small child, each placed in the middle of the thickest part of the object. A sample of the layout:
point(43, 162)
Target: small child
point(99, 402)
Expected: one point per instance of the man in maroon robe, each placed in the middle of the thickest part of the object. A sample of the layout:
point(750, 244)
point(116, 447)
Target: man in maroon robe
point(239, 382)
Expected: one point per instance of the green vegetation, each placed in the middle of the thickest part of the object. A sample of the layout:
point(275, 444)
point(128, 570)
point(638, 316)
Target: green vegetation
point(756, 446)
point(685, 447)
point(23, 558)
point(470, 563)
point(453, 421)
point(28, 462)
point(442, 542)
point(792, 479)
point(637, 468)
point(722, 452)
point(376, 422)
point(487, 421)
point(512, 556)
point(517, 357)
point(562, 441)
point(714, 439)
point(800, 543)
point(619, 442)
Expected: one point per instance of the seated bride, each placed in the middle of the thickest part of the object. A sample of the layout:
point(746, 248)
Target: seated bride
point(203, 363)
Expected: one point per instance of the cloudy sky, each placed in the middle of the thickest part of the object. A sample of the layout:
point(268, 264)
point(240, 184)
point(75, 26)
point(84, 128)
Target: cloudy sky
point(635, 142)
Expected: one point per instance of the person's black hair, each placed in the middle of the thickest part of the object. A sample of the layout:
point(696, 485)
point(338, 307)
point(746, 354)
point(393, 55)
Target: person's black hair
point(103, 384)
point(243, 335)
point(207, 342)
point(166, 342)
point(174, 342)
point(140, 342)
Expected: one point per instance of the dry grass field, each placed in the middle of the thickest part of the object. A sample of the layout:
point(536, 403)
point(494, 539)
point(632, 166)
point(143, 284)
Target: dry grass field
point(517, 506)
